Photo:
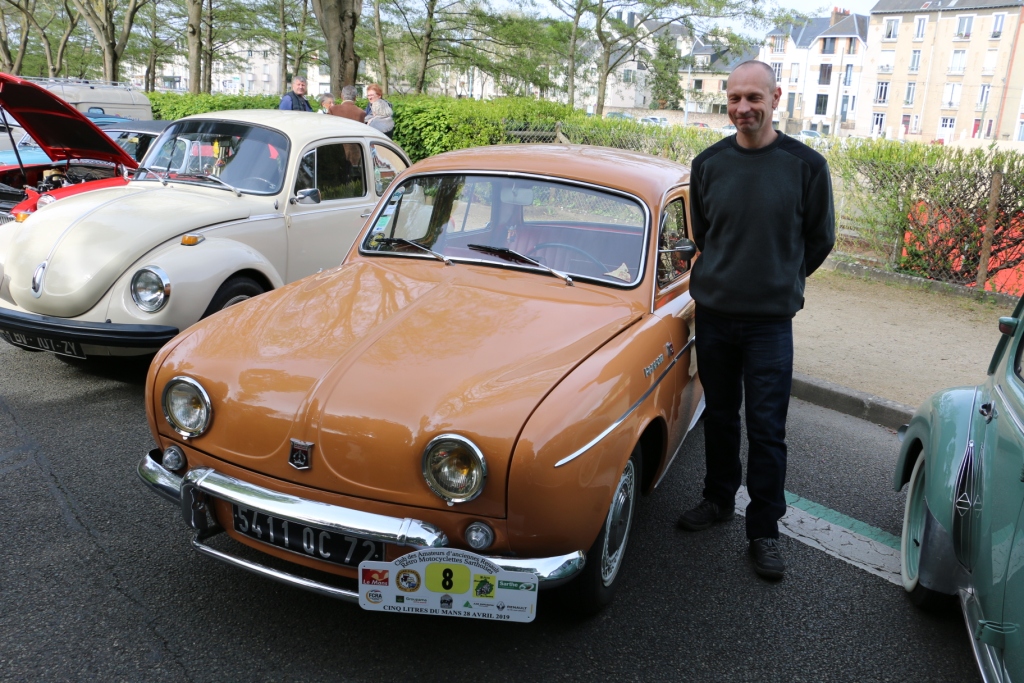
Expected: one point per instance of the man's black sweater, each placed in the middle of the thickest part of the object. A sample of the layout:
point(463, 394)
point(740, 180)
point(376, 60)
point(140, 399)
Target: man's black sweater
point(763, 221)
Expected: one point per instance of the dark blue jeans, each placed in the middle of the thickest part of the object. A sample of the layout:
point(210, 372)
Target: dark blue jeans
point(746, 362)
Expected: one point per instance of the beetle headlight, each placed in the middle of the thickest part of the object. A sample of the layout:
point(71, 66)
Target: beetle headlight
point(187, 406)
point(45, 199)
point(151, 289)
point(454, 468)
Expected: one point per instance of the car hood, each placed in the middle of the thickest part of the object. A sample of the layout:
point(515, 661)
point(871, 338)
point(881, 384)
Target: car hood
point(61, 130)
point(88, 240)
point(372, 360)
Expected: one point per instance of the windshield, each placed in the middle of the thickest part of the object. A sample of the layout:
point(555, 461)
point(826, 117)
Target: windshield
point(584, 232)
point(249, 158)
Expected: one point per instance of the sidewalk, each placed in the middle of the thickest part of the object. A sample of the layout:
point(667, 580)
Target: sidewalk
point(878, 350)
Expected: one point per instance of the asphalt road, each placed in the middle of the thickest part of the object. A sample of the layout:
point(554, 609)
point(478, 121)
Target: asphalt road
point(97, 580)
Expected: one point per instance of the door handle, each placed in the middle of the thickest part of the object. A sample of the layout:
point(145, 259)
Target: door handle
point(365, 215)
point(987, 411)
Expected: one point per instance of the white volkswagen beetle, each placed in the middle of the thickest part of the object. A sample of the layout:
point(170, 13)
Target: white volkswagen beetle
point(225, 206)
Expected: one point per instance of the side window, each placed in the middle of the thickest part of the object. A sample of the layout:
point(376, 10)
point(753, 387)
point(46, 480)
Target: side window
point(671, 266)
point(386, 165)
point(306, 178)
point(340, 173)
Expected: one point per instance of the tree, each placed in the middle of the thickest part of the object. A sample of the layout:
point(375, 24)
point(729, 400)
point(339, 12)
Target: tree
point(338, 20)
point(52, 20)
point(10, 18)
point(666, 92)
point(575, 10)
point(111, 22)
point(193, 30)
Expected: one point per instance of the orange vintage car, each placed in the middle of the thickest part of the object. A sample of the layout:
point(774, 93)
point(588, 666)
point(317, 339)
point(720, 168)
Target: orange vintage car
point(467, 407)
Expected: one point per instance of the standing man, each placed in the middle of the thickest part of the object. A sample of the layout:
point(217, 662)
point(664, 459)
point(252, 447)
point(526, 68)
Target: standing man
point(348, 107)
point(762, 212)
point(295, 99)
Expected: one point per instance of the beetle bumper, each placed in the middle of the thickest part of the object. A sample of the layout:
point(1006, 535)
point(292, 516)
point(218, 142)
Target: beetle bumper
point(191, 490)
point(89, 333)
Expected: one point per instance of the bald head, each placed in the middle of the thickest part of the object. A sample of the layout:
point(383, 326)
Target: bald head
point(767, 70)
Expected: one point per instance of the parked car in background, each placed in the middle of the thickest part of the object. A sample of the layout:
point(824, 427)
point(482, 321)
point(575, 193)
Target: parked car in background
point(225, 207)
point(619, 115)
point(99, 98)
point(727, 129)
point(698, 124)
point(502, 365)
point(809, 136)
point(655, 120)
point(963, 527)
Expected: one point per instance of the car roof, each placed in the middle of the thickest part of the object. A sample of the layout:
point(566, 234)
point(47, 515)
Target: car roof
point(302, 127)
point(648, 177)
point(134, 126)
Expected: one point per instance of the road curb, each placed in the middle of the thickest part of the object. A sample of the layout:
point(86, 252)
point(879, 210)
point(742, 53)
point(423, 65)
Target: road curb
point(850, 401)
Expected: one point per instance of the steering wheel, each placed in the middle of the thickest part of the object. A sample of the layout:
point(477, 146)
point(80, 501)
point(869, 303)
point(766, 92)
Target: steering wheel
point(602, 268)
point(245, 182)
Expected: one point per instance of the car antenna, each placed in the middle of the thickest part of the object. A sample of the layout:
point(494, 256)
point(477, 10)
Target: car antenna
point(17, 155)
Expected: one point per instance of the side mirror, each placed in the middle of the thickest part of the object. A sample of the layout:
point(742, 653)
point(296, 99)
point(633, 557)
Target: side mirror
point(309, 196)
point(684, 247)
point(1008, 326)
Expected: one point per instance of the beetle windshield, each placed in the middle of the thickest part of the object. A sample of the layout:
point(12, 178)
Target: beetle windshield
point(582, 231)
point(250, 158)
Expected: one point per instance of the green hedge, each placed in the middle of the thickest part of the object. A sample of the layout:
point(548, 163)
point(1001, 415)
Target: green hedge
point(170, 106)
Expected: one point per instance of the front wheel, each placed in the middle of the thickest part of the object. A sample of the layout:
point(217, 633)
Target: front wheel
point(912, 542)
point(594, 588)
point(234, 290)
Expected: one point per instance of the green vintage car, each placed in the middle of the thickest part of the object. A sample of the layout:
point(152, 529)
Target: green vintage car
point(963, 529)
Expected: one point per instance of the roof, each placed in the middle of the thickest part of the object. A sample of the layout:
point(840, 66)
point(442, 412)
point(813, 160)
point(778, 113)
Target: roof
point(135, 126)
point(302, 127)
point(805, 34)
point(900, 6)
point(852, 26)
point(648, 177)
point(723, 59)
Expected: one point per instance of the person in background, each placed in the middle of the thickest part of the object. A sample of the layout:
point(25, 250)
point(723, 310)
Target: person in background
point(373, 93)
point(326, 101)
point(381, 116)
point(295, 100)
point(348, 108)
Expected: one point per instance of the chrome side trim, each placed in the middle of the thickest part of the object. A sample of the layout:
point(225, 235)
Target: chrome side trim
point(275, 575)
point(550, 571)
point(1013, 416)
point(693, 423)
point(310, 512)
point(989, 660)
point(632, 408)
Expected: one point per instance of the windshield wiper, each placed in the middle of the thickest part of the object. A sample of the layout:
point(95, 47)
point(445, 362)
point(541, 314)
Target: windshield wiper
point(402, 240)
point(161, 178)
point(207, 176)
point(510, 255)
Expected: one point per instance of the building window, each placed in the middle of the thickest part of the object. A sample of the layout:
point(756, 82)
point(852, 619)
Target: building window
point(892, 29)
point(958, 62)
point(915, 61)
point(911, 91)
point(702, 60)
point(722, 85)
point(946, 126)
point(882, 92)
point(853, 102)
point(886, 61)
point(983, 94)
point(848, 77)
point(794, 72)
point(821, 105)
point(851, 46)
point(627, 75)
point(915, 124)
point(825, 74)
point(777, 68)
point(878, 123)
point(991, 57)
point(905, 123)
point(919, 25)
point(828, 46)
point(963, 27)
point(951, 95)
point(698, 84)
point(997, 25)
point(250, 53)
point(778, 44)
point(264, 54)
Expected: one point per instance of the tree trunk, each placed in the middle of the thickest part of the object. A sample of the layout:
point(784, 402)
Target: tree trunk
point(195, 44)
point(300, 42)
point(382, 58)
point(571, 76)
point(338, 20)
point(208, 50)
point(282, 49)
point(603, 70)
point(425, 45)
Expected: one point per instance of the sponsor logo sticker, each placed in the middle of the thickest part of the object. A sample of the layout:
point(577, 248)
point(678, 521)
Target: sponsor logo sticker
point(484, 585)
point(408, 580)
point(375, 577)
point(500, 606)
point(517, 585)
point(375, 596)
point(446, 601)
point(399, 598)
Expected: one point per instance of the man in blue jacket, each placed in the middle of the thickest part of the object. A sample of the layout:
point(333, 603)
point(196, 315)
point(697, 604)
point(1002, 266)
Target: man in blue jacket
point(295, 99)
point(763, 219)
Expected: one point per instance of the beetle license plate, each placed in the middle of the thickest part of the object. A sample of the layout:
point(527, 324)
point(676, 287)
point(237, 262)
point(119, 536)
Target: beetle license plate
point(28, 341)
point(305, 540)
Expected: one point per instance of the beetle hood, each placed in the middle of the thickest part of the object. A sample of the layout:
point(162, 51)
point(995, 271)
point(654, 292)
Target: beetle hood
point(371, 361)
point(88, 240)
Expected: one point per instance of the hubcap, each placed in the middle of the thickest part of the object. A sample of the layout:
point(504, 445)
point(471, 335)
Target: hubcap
point(616, 527)
point(235, 300)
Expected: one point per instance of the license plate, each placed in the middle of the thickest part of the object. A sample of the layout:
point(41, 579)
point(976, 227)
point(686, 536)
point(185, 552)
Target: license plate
point(305, 540)
point(29, 341)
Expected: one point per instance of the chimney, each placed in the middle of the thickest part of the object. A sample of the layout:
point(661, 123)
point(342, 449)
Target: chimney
point(838, 15)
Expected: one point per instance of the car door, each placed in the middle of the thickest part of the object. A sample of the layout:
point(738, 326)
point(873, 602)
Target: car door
point(320, 234)
point(674, 307)
point(989, 494)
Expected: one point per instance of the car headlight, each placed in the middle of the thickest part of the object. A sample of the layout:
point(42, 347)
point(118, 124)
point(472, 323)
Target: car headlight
point(454, 468)
point(45, 199)
point(187, 407)
point(151, 289)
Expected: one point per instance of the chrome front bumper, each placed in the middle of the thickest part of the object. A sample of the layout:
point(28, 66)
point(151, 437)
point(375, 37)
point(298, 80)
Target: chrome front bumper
point(190, 491)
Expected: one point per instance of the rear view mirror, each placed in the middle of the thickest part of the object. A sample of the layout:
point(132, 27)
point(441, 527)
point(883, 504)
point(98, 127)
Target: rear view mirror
point(518, 196)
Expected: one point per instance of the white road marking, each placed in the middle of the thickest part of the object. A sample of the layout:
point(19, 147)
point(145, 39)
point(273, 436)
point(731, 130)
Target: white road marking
point(860, 551)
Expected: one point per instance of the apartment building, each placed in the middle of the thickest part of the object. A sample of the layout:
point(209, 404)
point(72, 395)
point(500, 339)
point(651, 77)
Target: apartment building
point(819, 67)
point(704, 82)
point(944, 70)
